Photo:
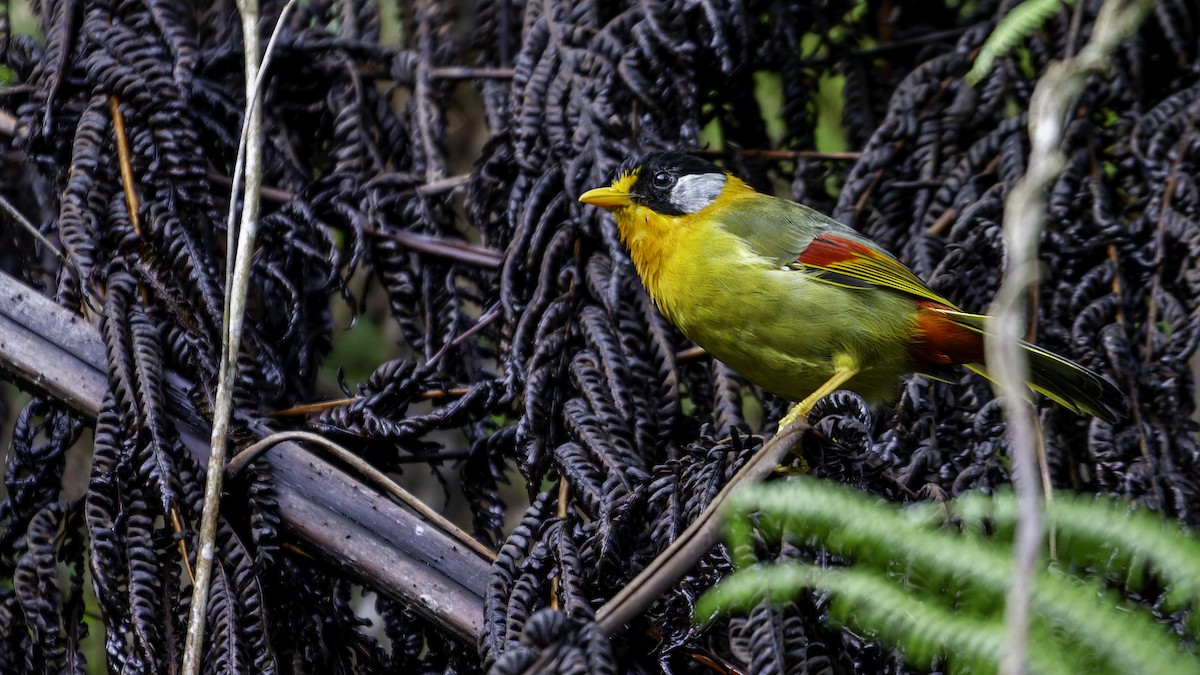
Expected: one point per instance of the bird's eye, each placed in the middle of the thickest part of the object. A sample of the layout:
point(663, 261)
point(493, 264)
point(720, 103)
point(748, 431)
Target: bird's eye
point(662, 179)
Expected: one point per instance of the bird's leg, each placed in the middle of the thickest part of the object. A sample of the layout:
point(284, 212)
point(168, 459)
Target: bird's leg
point(845, 368)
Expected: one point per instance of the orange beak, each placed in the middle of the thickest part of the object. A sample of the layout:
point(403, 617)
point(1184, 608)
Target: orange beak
point(606, 198)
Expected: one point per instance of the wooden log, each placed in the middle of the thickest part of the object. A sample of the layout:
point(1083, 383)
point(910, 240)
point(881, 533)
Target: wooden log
point(49, 350)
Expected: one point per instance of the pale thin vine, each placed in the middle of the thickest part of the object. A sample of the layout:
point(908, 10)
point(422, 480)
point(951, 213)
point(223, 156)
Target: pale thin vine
point(249, 164)
point(1024, 217)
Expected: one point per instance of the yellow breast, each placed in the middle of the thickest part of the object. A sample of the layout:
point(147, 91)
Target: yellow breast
point(670, 251)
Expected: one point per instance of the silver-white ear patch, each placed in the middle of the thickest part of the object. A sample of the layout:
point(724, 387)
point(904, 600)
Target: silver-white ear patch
point(695, 191)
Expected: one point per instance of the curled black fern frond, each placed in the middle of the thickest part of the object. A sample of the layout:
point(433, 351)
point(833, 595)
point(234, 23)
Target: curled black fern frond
point(421, 172)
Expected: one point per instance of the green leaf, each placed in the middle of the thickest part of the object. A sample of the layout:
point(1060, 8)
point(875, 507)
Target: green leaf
point(1011, 31)
point(954, 581)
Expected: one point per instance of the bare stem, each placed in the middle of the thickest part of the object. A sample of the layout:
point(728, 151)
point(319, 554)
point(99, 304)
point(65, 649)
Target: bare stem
point(236, 290)
point(1024, 218)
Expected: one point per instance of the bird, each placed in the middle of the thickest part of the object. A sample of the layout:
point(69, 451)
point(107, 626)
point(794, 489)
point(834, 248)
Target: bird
point(797, 302)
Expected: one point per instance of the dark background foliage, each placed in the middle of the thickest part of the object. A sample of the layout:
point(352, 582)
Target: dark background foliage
point(520, 307)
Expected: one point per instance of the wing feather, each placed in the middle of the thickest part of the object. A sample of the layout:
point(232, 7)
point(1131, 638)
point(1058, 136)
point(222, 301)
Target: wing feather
point(809, 241)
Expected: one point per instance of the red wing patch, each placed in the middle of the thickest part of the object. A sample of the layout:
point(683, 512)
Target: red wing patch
point(827, 250)
point(863, 262)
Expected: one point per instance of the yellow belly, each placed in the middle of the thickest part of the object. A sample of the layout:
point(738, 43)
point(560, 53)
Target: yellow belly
point(781, 328)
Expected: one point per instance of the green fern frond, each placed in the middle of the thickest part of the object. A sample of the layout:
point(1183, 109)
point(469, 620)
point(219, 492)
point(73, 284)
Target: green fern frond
point(1011, 31)
point(1085, 524)
point(866, 599)
point(963, 573)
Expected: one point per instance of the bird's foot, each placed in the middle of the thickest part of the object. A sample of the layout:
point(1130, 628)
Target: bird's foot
point(798, 412)
point(795, 466)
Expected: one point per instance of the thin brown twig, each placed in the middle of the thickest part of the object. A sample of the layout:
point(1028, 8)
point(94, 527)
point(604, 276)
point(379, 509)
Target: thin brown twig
point(469, 73)
point(125, 160)
point(714, 662)
point(435, 394)
point(128, 185)
point(862, 199)
point(177, 527)
point(441, 185)
point(322, 406)
point(939, 226)
point(289, 546)
point(24, 224)
point(312, 408)
point(281, 196)
point(484, 321)
point(564, 493)
point(271, 194)
point(402, 496)
point(947, 218)
point(782, 155)
point(460, 251)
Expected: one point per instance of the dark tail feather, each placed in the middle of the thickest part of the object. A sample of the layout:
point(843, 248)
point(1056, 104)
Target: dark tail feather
point(1074, 386)
point(1071, 385)
point(1062, 380)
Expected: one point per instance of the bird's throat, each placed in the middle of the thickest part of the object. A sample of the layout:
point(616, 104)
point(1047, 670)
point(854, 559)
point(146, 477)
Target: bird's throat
point(652, 241)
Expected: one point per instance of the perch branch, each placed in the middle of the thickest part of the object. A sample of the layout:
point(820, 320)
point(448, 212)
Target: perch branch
point(691, 545)
point(696, 540)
